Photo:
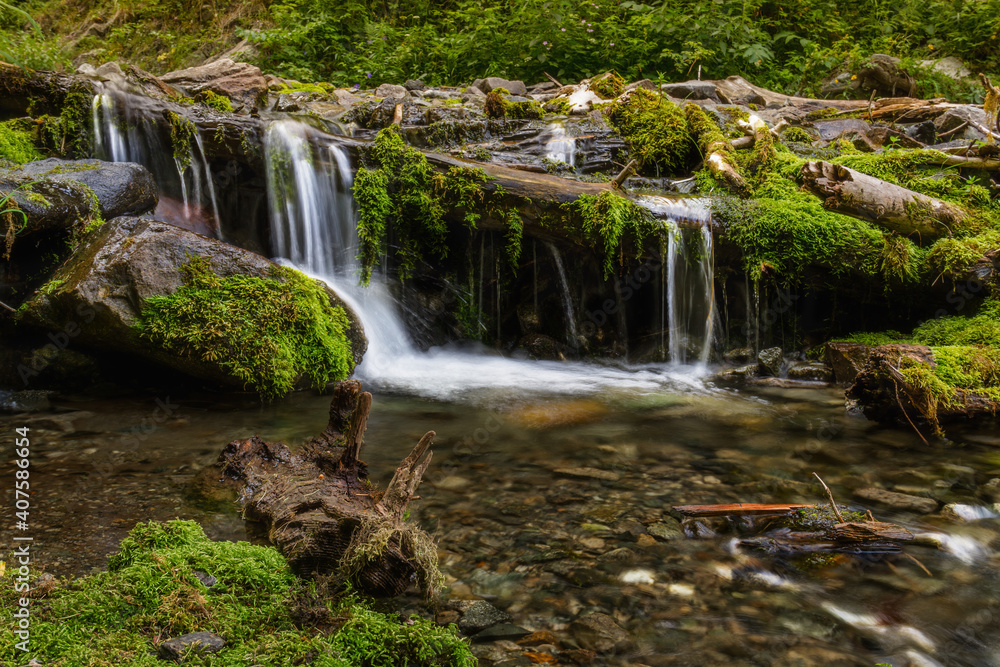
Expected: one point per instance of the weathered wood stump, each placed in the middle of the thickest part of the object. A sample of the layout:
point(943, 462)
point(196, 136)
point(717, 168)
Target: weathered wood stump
point(321, 511)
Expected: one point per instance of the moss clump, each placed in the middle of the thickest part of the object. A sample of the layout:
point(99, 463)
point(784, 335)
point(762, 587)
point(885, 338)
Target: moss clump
point(153, 591)
point(608, 86)
point(498, 106)
point(16, 145)
point(874, 338)
point(959, 371)
point(654, 128)
point(215, 101)
point(954, 256)
point(704, 132)
point(983, 328)
point(182, 133)
point(398, 189)
point(267, 332)
point(821, 518)
point(608, 220)
point(796, 134)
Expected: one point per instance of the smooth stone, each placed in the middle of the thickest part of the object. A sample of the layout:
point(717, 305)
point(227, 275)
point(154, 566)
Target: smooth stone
point(481, 615)
point(665, 531)
point(501, 631)
point(387, 90)
point(900, 501)
point(593, 473)
point(598, 632)
point(414, 84)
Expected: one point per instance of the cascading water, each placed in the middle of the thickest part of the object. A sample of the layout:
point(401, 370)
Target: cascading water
point(572, 336)
point(187, 191)
point(559, 145)
point(688, 301)
point(314, 229)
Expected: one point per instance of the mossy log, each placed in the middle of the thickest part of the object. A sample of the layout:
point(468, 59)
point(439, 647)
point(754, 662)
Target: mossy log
point(908, 213)
point(886, 395)
point(318, 507)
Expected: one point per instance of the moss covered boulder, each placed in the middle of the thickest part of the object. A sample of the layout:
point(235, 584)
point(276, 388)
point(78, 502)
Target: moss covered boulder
point(200, 306)
point(56, 195)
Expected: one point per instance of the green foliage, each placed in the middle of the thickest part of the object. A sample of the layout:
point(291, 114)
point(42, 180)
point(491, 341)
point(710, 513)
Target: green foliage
point(151, 592)
point(215, 101)
point(267, 332)
point(654, 128)
point(182, 133)
point(608, 220)
point(399, 190)
point(704, 132)
point(608, 86)
point(16, 145)
point(983, 328)
point(876, 338)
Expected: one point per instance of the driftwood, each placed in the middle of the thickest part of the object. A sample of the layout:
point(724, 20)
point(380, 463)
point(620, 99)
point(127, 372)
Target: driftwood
point(318, 507)
point(737, 509)
point(890, 206)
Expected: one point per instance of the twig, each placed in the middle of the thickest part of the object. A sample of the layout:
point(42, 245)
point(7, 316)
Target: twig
point(624, 174)
point(919, 564)
point(871, 99)
point(829, 494)
point(552, 79)
point(895, 384)
point(954, 129)
point(13, 310)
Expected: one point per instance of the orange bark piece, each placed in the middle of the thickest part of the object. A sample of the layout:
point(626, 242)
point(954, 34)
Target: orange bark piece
point(737, 509)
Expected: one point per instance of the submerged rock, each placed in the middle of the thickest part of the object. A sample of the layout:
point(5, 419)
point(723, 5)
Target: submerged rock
point(97, 296)
point(599, 632)
point(194, 642)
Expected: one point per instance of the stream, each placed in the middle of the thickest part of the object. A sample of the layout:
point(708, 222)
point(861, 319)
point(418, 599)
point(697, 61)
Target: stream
point(552, 483)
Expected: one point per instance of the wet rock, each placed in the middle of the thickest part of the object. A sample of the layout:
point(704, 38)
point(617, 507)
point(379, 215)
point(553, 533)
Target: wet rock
point(390, 90)
point(345, 98)
point(501, 631)
point(492, 83)
point(61, 198)
point(447, 617)
point(480, 615)
point(593, 473)
point(810, 372)
point(769, 361)
point(578, 656)
point(952, 119)
point(899, 501)
point(539, 638)
point(599, 632)
point(846, 360)
point(645, 540)
point(740, 355)
point(110, 72)
point(414, 84)
point(692, 90)
point(199, 642)
point(105, 282)
point(242, 83)
point(666, 530)
point(738, 374)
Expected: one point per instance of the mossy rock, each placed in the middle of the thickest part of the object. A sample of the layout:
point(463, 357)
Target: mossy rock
point(235, 318)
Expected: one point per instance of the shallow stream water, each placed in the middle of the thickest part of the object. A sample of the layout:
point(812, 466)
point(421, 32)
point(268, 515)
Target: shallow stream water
point(551, 504)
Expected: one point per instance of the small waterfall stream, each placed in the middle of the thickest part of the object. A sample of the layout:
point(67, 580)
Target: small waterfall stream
point(314, 229)
point(187, 191)
point(572, 335)
point(559, 145)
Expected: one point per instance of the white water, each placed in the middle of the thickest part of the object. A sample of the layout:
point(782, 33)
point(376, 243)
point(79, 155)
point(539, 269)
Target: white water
point(689, 280)
point(191, 179)
point(572, 336)
point(314, 229)
point(559, 145)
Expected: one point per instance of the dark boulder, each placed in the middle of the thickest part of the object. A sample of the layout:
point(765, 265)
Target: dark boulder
point(58, 194)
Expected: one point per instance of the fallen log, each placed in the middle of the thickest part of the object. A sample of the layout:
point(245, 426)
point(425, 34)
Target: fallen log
point(737, 509)
point(895, 208)
point(317, 506)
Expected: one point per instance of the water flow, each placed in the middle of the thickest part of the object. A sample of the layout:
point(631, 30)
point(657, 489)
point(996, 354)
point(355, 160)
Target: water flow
point(572, 336)
point(688, 293)
point(560, 146)
point(313, 222)
point(187, 191)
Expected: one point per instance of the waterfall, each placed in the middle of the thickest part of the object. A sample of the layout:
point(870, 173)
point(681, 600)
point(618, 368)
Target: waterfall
point(688, 292)
point(187, 191)
point(314, 229)
point(559, 145)
point(572, 336)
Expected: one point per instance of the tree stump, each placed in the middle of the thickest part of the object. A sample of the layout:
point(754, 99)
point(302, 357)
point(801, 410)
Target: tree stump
point(319, 509)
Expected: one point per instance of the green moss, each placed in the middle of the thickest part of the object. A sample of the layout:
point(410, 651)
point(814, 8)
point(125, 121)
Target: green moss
point(69, 133)
point(215, 101)
point(983, 328)
point(16, 145)
point(958, 372)
point(267, 332)
point(182, 133)
point(608, 221)
point(796, 134)
point(954, 256)
point(821, 518)
point(704, 132)
point(498, 106)
point(608, 86)
point(152, 592)
point(654, 128)
point(51, 287)
point(400, 190)
point(876, 338)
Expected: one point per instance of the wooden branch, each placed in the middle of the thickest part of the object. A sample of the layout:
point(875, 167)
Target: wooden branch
point(624, 173)
point(407, 478)
point(737, 509)
point(829, 494)
point(552, 79)
point(890, 206)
